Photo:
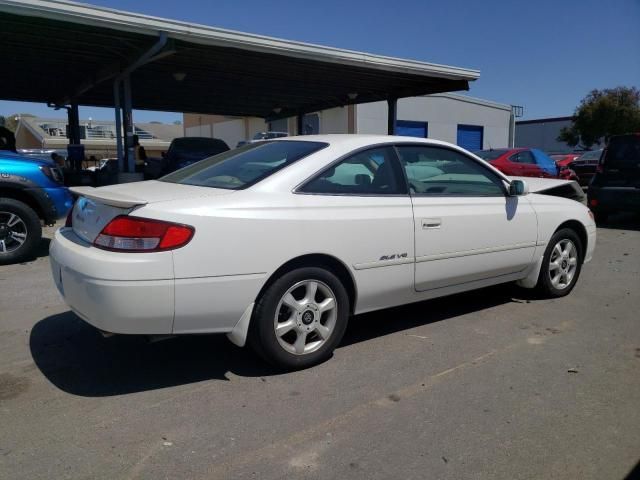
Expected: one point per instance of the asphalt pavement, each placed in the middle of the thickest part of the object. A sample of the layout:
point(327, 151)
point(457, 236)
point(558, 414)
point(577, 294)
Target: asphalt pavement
point(492, 384)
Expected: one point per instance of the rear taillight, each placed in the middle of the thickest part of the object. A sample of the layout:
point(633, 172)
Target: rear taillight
point(133, 234)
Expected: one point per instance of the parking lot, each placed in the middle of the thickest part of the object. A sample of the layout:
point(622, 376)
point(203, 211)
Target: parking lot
point(488, 384)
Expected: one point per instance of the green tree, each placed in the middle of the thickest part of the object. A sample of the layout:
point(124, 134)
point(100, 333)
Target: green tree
point(11, 121)
point(603, 113)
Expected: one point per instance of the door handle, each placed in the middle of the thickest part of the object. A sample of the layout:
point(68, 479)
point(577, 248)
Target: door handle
point(431, 223)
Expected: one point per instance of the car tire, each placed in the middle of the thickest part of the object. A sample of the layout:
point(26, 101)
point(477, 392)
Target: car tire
point(300, 318)
point(17, 219)
point(561, 264)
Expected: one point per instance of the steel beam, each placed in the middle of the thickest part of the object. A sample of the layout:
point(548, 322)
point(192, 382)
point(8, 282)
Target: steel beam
point(127, 117)
point(392, 115)
point(127, 108)
point(300, 124)
point(118, 111)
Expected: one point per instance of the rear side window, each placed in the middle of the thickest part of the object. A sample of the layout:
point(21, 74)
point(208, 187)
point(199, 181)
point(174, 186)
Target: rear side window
point(523, 157)
point(370, 172)
point(244, 166)
point(623, 152)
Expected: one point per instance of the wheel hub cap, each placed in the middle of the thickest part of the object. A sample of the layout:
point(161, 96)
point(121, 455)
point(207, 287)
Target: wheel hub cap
point(308, 317)
point(305, 317)
point(13, 232)
point(563, 263)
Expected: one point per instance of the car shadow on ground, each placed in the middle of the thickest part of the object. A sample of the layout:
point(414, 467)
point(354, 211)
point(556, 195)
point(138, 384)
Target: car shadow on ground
point(77, 359)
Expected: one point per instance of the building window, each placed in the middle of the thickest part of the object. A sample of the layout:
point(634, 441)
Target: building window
point(408, 128)
point(470, 137)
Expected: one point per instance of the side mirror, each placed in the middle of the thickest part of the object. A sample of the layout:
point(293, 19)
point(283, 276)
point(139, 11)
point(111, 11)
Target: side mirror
point(518, 188)
point(164, 154)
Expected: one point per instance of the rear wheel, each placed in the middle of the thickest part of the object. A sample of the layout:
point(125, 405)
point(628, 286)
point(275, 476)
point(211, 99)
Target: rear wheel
point(561, 264)
point(20, 231)
point(300, 318)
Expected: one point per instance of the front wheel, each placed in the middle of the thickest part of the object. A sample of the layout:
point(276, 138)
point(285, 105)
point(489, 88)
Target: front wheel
point(561, 264)
point(300, 318)
point(20, 231)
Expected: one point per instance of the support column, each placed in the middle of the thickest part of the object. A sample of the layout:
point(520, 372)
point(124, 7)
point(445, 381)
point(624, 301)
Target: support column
point(127, 118)
point(73, 119)
point(118, 111)
point(392, 104)
point(300, 124)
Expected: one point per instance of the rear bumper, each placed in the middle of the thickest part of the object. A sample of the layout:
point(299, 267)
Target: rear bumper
point(614, 199)
point(109, 294)
point(136, 293)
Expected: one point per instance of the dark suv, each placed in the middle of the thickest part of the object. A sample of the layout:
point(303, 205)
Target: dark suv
point(183, 152)
point(616, 185)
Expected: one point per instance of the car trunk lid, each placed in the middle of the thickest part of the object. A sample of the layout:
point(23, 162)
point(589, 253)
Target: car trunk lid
point(96, 207)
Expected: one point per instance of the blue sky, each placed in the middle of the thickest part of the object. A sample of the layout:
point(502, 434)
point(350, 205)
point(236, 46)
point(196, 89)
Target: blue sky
point(544, 55)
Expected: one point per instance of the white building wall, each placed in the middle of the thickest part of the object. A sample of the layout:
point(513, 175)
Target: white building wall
point(334, 120)
point(443, 113)
point(231, 131)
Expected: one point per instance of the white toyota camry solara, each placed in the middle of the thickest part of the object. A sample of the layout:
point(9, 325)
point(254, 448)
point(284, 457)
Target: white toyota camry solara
point(278, 243)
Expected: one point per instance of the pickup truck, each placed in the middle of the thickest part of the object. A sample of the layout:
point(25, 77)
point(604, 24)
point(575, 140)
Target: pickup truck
point(32, 193)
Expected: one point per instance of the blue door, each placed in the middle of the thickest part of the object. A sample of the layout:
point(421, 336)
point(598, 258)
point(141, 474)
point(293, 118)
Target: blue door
point(470, 137)
point(408, 128)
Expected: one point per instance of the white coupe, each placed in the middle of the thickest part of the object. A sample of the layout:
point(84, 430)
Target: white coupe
point(278, 243)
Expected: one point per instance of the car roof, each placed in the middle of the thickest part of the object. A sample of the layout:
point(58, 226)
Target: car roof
point(356, 140)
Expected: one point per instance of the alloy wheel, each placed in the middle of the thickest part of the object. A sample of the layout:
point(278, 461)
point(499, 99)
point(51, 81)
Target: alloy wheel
point(13, 232)
point(563, 264)
point(305, 317)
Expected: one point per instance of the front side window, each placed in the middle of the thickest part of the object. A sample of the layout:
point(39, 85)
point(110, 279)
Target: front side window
point(244, 166)
point(370, 172)
point(443, 172)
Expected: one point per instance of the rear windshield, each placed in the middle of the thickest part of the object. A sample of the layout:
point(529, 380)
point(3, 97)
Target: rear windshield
point(490, 154)
point(244, 166)
point(623, 151)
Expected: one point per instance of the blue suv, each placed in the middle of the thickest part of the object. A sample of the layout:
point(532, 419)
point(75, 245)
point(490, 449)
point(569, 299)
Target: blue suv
point(32, 193)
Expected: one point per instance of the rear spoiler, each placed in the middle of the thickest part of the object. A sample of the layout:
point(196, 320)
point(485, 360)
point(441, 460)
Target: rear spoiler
point(115, 199)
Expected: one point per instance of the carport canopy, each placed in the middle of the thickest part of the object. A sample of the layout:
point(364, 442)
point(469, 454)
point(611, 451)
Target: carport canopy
point(63, 52)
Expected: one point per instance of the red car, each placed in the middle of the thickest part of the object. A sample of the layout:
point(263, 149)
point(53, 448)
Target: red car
point(525, 162)
point(564, 161)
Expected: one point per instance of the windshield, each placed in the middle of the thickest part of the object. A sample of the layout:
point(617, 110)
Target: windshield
point(490, 154)
point(592, 155)
point(623, 151)
point(244, 166)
